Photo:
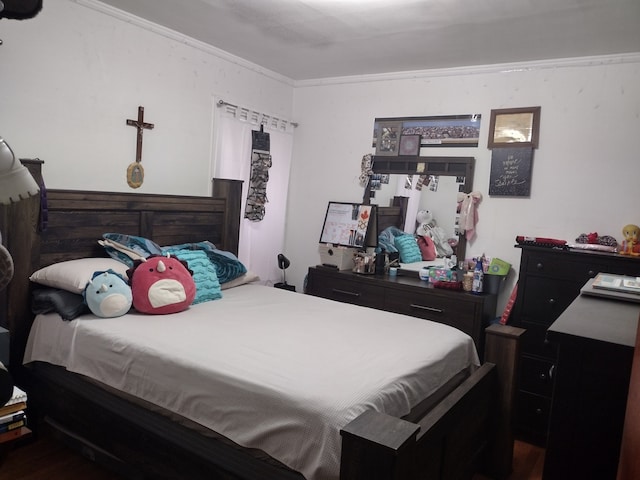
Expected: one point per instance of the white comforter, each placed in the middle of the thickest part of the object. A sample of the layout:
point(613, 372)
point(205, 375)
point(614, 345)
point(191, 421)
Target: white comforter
point(267, 368)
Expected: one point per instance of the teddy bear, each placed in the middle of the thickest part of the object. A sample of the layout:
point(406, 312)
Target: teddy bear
point(432, 237)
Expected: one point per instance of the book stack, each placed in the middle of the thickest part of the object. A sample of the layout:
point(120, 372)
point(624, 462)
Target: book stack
point(13, 417)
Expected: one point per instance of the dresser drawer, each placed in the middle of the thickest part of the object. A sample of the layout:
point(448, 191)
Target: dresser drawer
point(450, 310)
point(536, 376)
point(544, 299)
point(348, 291)
point(568, 268)
point(534, 341)
point(532, 415)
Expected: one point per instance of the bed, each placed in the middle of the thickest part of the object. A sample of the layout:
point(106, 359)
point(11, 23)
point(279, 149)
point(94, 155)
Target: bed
point(450, 426)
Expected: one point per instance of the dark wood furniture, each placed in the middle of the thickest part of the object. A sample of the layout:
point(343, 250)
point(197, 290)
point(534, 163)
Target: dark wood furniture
point(468, 430)
point(595, 339)
point(549, 280)
point(629, 464)
point(407, 295)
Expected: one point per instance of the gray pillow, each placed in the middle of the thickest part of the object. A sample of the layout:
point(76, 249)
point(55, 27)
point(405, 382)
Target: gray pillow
point(69, 305)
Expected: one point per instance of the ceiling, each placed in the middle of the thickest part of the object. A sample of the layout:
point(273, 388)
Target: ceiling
point(313, 39)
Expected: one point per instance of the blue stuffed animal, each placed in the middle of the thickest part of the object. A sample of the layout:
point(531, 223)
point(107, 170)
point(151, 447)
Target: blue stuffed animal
point(108, 294)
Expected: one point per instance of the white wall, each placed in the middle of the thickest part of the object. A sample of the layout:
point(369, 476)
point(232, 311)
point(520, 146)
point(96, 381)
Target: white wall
point(585, 171)
point(71, 76)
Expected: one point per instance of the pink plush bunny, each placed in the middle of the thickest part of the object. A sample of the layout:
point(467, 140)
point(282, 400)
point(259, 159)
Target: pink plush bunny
point(467, 203)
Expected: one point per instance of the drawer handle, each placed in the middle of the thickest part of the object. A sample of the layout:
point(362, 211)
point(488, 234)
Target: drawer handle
point(543, 377)
point(592, 274)
point(428, 309)
point(552, 301)
point(540, 266)
point(344, 292)
point(552, 370)
point(538, 411)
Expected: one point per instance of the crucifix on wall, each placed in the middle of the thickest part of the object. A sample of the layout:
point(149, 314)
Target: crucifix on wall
point(135, 172)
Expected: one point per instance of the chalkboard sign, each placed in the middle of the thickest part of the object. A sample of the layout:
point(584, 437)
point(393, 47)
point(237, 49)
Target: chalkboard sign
point(511, 171)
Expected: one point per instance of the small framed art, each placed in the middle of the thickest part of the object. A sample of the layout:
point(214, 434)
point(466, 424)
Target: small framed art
point(388, 138)
point(409, 145)
point(514, 127)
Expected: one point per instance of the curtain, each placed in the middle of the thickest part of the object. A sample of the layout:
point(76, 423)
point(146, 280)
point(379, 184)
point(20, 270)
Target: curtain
point(261, 241)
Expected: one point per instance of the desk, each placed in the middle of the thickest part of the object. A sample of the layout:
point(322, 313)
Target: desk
point(595, 340)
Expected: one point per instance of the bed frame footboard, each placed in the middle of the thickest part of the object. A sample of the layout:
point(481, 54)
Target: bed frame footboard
point(469, 431)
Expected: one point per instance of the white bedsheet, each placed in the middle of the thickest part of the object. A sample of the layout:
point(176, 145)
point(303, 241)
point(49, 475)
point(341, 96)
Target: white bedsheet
point(267, 368)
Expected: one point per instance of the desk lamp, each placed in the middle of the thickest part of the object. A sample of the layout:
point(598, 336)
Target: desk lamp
point(283, 264)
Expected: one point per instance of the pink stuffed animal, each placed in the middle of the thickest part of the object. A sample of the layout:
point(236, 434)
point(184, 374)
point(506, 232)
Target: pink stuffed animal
point(467, 203)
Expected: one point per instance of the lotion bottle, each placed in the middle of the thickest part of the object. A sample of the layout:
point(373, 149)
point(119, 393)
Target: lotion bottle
point(478, 277)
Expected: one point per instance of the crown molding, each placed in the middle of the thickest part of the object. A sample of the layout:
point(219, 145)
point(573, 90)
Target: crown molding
point(592, 61)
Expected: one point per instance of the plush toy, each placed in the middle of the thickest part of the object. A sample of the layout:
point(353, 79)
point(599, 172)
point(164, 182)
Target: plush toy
point(428, 229)
point(161, 284)
point(467, 207)
point(427, 248)
point(631, 240)
point(108, 294)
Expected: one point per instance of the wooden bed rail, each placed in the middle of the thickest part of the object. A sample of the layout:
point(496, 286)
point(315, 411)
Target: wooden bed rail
point(469, 431)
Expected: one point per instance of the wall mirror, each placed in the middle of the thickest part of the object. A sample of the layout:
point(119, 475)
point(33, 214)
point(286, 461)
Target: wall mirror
point(398, 206)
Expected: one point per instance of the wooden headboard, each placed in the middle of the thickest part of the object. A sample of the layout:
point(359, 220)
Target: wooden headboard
point(72, 222)
point(393, 216)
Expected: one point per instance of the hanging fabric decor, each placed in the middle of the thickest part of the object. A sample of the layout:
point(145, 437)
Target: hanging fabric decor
point(260, 164)
point(366, 169)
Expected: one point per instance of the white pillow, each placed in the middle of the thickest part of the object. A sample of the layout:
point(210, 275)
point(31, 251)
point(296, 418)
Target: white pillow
point(73, 275)
point(241, 280)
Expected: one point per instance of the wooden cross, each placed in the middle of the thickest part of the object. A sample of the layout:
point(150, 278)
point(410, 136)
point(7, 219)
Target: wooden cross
point(140, 125)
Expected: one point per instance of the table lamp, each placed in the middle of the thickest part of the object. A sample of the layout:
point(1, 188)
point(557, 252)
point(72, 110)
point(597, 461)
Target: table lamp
point(16, 183)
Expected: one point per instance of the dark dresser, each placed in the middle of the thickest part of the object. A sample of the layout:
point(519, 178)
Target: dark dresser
point(409, 295)
point(549, 280)
point(595, 341)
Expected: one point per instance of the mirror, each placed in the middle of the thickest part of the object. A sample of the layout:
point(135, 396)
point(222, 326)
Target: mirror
point(447, 175)
point(440, 197)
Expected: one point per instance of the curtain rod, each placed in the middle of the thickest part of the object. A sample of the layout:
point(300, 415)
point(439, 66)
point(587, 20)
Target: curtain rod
point(222, 103)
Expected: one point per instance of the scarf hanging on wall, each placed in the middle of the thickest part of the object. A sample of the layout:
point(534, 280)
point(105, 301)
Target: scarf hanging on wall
point(260, 164)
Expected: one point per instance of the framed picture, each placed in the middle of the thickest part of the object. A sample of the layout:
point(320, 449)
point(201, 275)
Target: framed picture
point(409, 145)
point(514, 127)
point(388, 138)
point(440, 131)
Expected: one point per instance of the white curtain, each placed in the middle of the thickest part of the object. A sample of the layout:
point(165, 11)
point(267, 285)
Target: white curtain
point(260, 242)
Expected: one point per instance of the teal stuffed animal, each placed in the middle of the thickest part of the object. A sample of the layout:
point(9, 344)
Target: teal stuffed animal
point(108, 294)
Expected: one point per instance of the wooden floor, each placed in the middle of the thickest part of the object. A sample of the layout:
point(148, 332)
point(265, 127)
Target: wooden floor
point(48, 459)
